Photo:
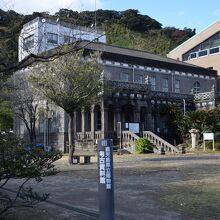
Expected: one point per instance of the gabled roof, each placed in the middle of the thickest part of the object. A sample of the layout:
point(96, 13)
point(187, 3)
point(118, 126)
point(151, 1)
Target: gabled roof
point(140, 57)
point(197, 39)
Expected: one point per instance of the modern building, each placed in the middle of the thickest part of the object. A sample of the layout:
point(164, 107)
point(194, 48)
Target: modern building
point(142, 84)
point(203, 49)
point(40, 35)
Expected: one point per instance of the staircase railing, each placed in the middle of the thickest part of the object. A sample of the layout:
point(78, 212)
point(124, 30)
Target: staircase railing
point(159, 142)
point(129, 138)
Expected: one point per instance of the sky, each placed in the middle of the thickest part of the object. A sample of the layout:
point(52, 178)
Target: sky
point(198, 14)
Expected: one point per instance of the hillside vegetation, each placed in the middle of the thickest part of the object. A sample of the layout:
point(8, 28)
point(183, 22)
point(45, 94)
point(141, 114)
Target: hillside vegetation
point(123, 28)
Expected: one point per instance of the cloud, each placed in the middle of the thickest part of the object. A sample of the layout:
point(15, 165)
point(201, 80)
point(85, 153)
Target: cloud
point(30, 6)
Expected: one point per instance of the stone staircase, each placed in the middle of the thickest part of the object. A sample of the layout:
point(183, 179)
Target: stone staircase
point(159, 143)
point(129, 138)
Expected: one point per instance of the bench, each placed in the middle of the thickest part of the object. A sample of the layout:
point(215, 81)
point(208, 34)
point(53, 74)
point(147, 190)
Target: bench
point(87, 158)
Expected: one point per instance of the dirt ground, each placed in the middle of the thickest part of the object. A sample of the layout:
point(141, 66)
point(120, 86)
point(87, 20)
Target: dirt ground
point(151, 187)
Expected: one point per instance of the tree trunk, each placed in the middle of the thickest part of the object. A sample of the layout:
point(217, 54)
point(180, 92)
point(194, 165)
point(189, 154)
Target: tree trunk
point(31, 137)
point(71, 138)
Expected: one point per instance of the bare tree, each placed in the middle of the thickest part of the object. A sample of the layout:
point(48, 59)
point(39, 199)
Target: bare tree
point(24, 102)
point(71, 82)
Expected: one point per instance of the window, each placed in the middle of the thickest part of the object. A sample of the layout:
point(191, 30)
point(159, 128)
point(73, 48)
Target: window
point(185, 57)
point(68, 39)
point(52, 38)
point(52, 121)
point(214, 50)
point(152, 82)
point(41, 122)
point(209, 45)
point(177, 86)
point(203, 53)
point(28, 42)
point(139, 79)
point(196, 87)
point(215, 40)
point(165, 85)
point(124, 77)
point(193, 55)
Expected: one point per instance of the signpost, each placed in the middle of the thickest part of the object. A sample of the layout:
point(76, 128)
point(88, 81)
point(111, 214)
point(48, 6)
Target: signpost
point(106, 181)
point(209, 137)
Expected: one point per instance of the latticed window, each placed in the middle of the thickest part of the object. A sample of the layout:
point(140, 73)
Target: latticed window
point(196, 87)
point(165, 85)
point(152, 82)
point(177, 86)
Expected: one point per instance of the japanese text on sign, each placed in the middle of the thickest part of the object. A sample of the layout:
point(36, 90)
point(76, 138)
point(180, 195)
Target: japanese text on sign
point(105, 167)
point(102, 167)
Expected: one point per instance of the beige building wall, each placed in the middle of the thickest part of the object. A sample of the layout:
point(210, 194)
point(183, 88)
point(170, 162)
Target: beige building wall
point(206, 61)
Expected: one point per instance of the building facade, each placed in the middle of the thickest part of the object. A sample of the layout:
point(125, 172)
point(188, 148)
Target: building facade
point(40, 35)
point(138, 87)
point(141, 84)
point(203, 49)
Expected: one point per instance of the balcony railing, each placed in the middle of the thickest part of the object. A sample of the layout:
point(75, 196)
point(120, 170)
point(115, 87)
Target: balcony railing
point(205, 96)
point(133, 90)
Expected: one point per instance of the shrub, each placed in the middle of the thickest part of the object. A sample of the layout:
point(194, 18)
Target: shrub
point(142, 145)
point(18, 162)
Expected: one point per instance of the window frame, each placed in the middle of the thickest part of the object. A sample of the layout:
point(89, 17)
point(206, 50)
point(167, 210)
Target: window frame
point(123, 78)
point(152, 80)
point(196, 87)
point(52, 40)
point(28, 42)
point(165, 84)
point(177, 86)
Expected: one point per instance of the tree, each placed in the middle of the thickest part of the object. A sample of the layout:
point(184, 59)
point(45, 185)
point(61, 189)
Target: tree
point(203, 120)
point(25, 164)
point(24, 102)
point(6, 119)
point(71, 82)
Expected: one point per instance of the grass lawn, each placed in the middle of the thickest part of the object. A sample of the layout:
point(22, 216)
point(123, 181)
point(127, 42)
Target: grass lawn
point(199, 199)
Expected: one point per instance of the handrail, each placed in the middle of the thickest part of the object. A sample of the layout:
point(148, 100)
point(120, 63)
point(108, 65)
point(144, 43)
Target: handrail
point(129, 136)
point(156, 140)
